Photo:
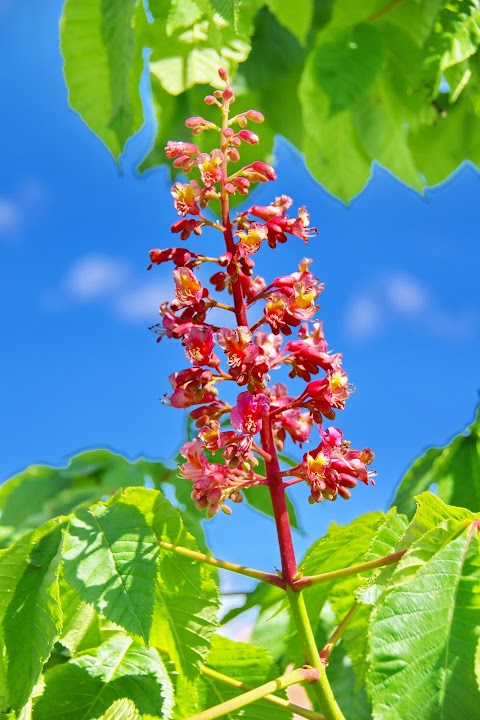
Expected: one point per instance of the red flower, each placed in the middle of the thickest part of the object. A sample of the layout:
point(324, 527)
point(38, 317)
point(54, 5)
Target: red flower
point(247, 415)
point(199, 344)
point(188, 290)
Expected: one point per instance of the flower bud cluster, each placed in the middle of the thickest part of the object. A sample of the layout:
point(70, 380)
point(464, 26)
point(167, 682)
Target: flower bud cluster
point(226, 454)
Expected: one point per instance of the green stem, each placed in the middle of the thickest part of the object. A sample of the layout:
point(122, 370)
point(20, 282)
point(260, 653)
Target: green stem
point(336, 635)
point(272, 699)
point(322, 689)
point(293, 678)
point(239, 569)
point(311, 580)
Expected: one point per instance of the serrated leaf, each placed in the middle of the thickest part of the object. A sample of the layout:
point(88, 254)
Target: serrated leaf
point(103, 64)
point(345, 64)
point(110, 560)
point(296, 17)
point(247, 663)
point(341, 547)
point(354, 637)
point(424, 631)
point(228, 9)
point(33, 617)
point(119, 669)
point(80, 627)
point(192, 56)
point(381, 122)
point(455, 468)
point(121, 710)
point(186, 595)
point(331, 145)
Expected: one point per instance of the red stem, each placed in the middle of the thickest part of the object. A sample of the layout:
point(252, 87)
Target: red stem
point(279, 504)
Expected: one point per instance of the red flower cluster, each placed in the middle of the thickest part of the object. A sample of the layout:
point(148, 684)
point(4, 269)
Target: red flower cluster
point(220, 461)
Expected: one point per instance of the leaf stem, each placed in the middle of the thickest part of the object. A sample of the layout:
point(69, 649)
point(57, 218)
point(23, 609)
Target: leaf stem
point(322, 689)
point(300, 675)
point(272, 699)
point(337, 633)
point(223, 564)
point(311, 580)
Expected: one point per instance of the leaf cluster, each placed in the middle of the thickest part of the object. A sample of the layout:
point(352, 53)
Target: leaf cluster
point(347, 82)
point(98, 620)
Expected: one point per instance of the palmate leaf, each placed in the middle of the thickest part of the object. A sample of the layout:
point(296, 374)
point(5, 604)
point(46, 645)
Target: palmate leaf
point(424, 630)
point(119, 669)
point(40, 493)
point(246, 663)
point(296, 17)
point(103, 65)
point(110, 560)
point(186, 596)
point(32, 617)
point(455, 469)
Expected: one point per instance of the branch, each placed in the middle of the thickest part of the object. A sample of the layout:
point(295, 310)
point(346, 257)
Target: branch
point(293, 678)
point(272, 699)
point(240, 569)
point(311, 580)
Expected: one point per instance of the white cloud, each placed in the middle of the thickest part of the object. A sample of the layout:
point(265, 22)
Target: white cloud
point(406, 295)
point(142, 302)
point(10, 216)
point(364, 317)
point(394, 296)
point(96, 276)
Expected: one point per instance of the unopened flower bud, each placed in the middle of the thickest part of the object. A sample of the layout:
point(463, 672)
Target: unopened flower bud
point(228, 95)
point(195, 122)
point(224, 259)
point(248, 137)
point(209, 100)
point(233, 154)
point(254, 116)
point(230, 189)
point(227, 510)
point(223, 74)
point(228, 133)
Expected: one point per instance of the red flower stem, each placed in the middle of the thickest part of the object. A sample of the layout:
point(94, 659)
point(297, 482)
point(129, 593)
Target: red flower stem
point(238, 301)
point(279, 504)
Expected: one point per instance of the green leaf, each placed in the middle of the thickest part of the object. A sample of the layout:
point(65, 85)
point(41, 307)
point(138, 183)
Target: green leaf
point(424, 631)
point(33, 618)
point(380, 119)
point(452, 137)
point(455, 468)
point(40, 493)
point(264, 596)
point(271, 629)
point(80, 627)
point(331, 145)
point(228, 9)
point(296, 17)
point(186, 595)
point(354, 637)
point(110, 560)
point(103, 64)
point(121, 710)
point(349, 694)
point(346, 64)
point(193, 56)
point(341, 547)
point(119, 669)
point(247, 663)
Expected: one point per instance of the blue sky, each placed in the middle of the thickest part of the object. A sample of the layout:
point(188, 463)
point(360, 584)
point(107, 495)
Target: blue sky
point(80, 370)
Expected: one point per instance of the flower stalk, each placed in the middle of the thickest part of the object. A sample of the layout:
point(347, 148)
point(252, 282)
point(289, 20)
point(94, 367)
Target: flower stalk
point(234, 440)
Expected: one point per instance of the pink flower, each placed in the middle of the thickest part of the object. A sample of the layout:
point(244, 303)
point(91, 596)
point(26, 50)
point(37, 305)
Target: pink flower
point(247, 415)
point(191, 387)
point(210, 166)
point(237, 346)
point(212, 437)
point(250, 241)
point(259, 172)
point(188, 289)
point(269, 343)
point(199, 344)
point(186, 197)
